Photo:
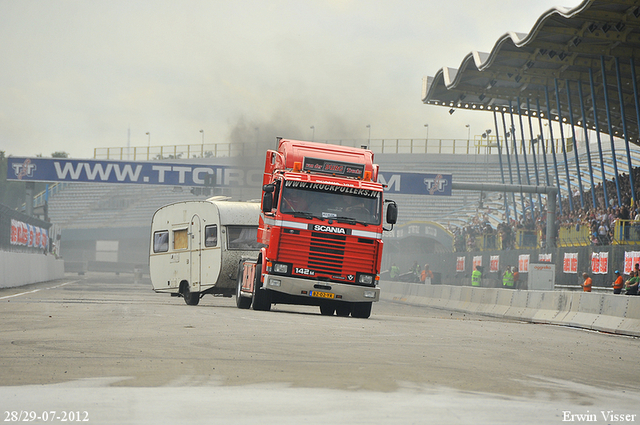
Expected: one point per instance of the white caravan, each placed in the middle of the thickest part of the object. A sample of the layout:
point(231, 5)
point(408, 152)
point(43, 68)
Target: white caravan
point(196, 247)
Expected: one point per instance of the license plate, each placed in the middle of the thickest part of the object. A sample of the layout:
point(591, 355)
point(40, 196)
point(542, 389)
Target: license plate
point(319, 294)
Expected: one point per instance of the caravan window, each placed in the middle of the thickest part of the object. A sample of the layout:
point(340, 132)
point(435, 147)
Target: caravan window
point(211, 235)
point(243, 238)
point(161, 241)
point(180, 239)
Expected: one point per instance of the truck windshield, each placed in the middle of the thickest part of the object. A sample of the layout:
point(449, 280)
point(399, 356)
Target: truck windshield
point(325, 201)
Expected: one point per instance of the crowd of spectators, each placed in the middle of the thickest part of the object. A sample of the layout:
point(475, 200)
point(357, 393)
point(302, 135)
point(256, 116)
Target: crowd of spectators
point(600, 221)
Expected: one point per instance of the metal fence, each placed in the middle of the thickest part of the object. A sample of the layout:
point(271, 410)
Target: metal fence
point(478, 145)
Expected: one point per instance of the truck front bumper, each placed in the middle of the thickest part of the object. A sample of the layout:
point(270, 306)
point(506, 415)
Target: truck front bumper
point(321, 290)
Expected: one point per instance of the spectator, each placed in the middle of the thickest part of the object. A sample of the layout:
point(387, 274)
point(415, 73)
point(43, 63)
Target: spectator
point(415, 269)
point(395, 271)
point(586, 285)
point(618, 283)
point(426, 274)
point(631, 285)
point(507, 278)
point(476, 276)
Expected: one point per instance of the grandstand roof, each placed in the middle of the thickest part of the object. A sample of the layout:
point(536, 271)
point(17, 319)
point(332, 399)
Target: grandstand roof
point(564, 46)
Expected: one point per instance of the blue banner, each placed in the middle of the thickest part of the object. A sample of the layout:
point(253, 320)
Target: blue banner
point(155, 173)
point(194, 175)
point(416, 183)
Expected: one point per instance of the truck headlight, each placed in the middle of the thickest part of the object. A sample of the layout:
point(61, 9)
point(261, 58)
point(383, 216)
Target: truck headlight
point(369, 294)
point(274, 282)
point(281, 268)
point(365, 279)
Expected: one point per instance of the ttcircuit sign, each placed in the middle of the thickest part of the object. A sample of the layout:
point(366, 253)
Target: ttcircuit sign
point(180, 174)
point(90, 171)
point(416, 183)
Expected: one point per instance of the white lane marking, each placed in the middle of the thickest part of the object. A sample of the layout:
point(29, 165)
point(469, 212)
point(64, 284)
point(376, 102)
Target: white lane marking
point(39, 289)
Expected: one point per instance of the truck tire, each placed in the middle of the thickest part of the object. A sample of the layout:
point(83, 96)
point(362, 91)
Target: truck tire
point(343, 310)
point(190, 298)
point(261, 298)
point(241, 302)
point(361, 310)
point(327, 309)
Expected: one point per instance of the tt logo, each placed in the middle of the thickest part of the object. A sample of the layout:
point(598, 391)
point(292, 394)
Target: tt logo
point(24, 169)
point(435, 185)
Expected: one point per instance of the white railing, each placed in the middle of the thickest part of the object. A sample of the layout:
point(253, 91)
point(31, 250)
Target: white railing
point(478, 145)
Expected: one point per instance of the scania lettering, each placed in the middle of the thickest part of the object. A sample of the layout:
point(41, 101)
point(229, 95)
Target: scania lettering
point(329, 229)
point(320, 230)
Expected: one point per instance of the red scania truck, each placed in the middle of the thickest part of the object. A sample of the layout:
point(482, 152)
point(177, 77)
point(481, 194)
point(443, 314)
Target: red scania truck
point(321, 225)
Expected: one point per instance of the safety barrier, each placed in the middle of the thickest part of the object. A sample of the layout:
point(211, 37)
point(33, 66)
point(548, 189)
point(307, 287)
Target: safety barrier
point(618, 314)
point(18, 268)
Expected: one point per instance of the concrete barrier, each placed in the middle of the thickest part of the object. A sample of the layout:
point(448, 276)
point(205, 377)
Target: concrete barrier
point(630, 324)
point(609, 317)
point(503, 303)
point(17, 268)
point(602, 312)
point(488, 299)
point(550, 305)
point(518, 304)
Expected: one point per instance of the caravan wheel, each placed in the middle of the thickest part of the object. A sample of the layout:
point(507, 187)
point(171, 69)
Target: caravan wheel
point(190, 298)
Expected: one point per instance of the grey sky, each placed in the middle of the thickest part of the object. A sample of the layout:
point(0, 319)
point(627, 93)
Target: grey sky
point(77, 74)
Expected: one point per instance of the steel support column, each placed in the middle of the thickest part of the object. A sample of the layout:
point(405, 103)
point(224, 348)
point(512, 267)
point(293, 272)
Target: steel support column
point(610, 126)
point(524, 156)
point(564, 146)
point(586, 141)
point(544, 146)
point(506, 202)
point(575, 144)
point(635, 96)
point(624, 129)
point(506, 145)
point(553, 148)
point(533, 151)
point(597, 124)
point(515, 153)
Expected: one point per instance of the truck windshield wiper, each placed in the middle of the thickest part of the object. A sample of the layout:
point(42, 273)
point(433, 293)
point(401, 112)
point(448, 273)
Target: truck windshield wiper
point(306, 214)
point(350, 220)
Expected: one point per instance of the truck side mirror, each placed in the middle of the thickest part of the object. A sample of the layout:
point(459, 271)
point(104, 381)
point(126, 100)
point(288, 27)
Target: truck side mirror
point(267, 202)
point(267, 198)
point(392, 213)
point(268, 188)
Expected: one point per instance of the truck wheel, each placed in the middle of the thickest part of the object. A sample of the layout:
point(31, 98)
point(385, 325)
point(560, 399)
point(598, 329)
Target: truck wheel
point(327, 310)
point(191, 298)
point(361, 310)
point(261, 299)
point(343, 310)
point(241, 302)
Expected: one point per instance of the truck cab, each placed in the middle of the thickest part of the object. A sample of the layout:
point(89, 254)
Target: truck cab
point(321, 225)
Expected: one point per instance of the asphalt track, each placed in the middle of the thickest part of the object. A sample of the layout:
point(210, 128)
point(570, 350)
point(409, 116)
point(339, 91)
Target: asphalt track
point(112, 351)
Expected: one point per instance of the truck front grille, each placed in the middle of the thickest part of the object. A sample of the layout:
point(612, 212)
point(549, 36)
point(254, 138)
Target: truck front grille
point(326, 252)
point(328, 255)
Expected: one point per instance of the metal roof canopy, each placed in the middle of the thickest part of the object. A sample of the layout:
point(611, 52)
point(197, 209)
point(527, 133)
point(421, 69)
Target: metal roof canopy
point(565, 46)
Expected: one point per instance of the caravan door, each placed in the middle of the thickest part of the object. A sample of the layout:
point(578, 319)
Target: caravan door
point(195, 253)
